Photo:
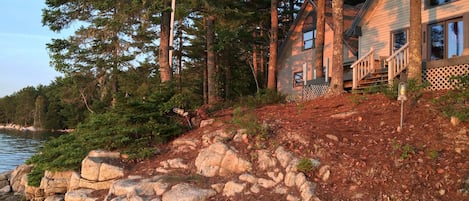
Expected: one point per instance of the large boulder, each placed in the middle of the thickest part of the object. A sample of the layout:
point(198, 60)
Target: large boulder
point(55, 182)
point(219, 159)
point(19, 177)
point(186, 192)
point(98, 171)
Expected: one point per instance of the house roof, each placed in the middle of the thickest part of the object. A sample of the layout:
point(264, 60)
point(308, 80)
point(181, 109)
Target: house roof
point(366, 8)
point(308, 15)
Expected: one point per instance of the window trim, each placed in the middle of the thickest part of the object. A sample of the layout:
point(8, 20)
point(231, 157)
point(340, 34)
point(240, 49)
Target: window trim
point(391, 45)
point(428, 6)
point(445, 23)
point(313, 39)
point(295, 83)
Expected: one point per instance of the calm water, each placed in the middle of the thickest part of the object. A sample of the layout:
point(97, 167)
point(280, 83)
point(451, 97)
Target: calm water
point(17, 147)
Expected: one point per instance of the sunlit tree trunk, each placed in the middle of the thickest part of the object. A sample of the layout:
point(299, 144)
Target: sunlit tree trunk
point(337, 81)
point(320, 33)
point(271, 81)
point(415, 41)
point(165, 68)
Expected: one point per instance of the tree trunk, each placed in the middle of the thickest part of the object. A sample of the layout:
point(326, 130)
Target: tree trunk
point(415, 41)
point(320, 35)
point(337, 81)
point(211, 68)
point(271, 81)
point(165, 68)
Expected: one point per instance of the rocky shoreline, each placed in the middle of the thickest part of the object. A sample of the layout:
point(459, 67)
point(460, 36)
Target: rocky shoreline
point(271, 170)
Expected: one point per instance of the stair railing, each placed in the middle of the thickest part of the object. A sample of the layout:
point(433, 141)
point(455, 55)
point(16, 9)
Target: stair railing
point(397, 62)
point(363, 67)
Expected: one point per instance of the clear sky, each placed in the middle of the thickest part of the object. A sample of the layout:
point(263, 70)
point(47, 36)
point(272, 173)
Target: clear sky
point(24, 60)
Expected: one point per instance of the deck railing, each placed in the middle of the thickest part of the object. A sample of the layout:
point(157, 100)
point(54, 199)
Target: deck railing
point(362, 67)
point(398, 62)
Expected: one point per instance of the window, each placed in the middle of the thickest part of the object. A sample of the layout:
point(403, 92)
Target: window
point(308, 39)
point(399, 39)
point(446, 39)
point(298, 79)
point(433, 3)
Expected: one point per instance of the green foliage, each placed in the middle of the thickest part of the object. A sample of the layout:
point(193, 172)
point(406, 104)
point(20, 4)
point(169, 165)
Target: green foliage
point(305, 165)
point(247, 119)
point(454, 103)
point(263, 98)
point(133, 127)
point(357, 99)
point(405, 150)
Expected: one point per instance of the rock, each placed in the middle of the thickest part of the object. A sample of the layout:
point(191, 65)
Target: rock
point(4, 190)
point(281, 190)
point(207, 122)
point(219, 159)
point(177, 163)
point(185, 145)
point(123, 187)
point(33, 193)
point(324, 172)
point(232, 188)
point(455, 121)
point(79, 195)
point(343, 115)
point(186, 192)
point(110, 172)
point(307, 190)
point(18, 177)
point(218, 187)
point(277, 178)
point(74, 182)
point(292, 198)
point(255, 188)
point(266, 183)
point(264, 160)
point(283, 156)
point(248, 178)
point(290, 179)
point(300, 179)
point(55, 182)
point(104, 154)
point(95, 185)
point(55, 198)
point(332, 137)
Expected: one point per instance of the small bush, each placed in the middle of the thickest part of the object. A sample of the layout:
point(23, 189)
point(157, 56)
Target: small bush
point(247, 119)
point(133, 127)
point(305, 165)
point(454, 103)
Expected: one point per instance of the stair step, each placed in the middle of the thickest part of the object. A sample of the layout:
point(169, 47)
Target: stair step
point(374, 82)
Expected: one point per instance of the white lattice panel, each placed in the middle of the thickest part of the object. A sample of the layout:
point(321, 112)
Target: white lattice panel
point(439, 78)
point(314, 91)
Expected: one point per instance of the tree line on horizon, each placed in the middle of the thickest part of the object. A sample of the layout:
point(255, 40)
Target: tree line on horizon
point(120, 53)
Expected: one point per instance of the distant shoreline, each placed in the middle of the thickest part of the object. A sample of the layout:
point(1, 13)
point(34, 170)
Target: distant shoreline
point(29, 128)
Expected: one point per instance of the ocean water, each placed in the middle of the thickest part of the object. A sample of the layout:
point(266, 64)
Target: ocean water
point(16, 147)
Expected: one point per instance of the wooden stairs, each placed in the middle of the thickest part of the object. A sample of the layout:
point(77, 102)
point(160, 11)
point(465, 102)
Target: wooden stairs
point(378, 77)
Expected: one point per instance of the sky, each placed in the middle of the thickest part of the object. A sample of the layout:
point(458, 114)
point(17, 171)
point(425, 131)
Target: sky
point(24, 59)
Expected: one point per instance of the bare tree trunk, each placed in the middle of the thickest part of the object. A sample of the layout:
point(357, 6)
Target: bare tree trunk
point(337, 80)
point(262, 64)
point(320, 36)
point(165, 68)
point(271, 81)
point(415, 41)
point(211, 68)
point(255, 63)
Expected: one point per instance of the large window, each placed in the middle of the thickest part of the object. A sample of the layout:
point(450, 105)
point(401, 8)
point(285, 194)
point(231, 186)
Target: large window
point(399, 39)
point(308, 39)
point(446, 39)
point(433, 3)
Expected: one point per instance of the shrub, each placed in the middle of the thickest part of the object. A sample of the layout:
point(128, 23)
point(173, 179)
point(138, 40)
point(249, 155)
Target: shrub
point(133, 127)
point(454, 103)
point(305, 165)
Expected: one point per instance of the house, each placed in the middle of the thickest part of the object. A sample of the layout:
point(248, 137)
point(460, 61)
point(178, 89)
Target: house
point(296, 54)
point(382, 28)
